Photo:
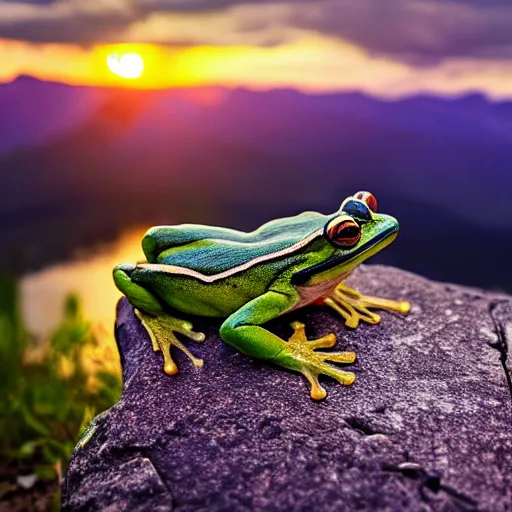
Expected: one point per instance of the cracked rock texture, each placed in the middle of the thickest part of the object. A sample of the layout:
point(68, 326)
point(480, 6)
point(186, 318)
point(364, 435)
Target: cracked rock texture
point(427, 425)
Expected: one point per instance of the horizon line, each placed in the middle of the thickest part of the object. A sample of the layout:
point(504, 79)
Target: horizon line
point(427, 94)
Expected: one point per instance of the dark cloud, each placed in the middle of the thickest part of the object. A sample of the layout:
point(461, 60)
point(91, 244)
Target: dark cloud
point(73, 27)
point(421, 31)
point(486, 3)
point(200, 5)
point(417, 31)
point(37, 2)
point(63, 21)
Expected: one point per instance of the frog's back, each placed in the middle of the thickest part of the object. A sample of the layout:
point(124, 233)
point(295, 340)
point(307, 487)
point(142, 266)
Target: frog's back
point(211, 250)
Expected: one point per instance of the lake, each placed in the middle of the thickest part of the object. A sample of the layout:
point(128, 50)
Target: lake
point(90, 277)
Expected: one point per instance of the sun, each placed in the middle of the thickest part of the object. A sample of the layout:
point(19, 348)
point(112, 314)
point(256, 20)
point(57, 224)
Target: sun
point(126, 65)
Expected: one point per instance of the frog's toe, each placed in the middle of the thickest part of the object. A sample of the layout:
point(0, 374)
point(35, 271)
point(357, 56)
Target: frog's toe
point(185, 328)
point(317, 391)
point(298, 338)
point(341, 357)
point(324, 342)
point(196, 336)
point(165, 346)
point(127, 268)
point(170, 366)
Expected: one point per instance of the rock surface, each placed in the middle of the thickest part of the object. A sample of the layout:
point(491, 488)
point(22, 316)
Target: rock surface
point(427, 425)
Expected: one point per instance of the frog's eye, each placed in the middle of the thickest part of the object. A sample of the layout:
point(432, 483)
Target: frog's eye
point(368, 198)
point(357, 209)
point(343, 232)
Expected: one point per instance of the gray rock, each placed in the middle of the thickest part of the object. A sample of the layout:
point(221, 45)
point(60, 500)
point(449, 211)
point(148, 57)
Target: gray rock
point(426, 426)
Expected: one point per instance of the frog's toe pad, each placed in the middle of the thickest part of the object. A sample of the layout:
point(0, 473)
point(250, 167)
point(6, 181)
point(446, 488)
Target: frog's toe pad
point(170, 366)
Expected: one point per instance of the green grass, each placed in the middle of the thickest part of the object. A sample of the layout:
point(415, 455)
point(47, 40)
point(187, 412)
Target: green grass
point(51, 390)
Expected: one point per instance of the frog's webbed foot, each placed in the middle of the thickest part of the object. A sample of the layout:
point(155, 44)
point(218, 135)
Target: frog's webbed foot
point(161, 330)
point(300, 355)
point(354, 307)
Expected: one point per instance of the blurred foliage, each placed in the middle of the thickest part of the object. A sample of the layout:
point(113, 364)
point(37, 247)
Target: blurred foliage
point(49, 391)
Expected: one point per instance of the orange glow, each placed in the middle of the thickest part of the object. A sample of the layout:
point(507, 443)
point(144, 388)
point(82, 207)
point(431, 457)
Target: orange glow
point(308, 63)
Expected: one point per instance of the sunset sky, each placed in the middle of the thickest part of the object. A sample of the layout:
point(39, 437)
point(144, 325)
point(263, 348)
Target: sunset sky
point(385, 47)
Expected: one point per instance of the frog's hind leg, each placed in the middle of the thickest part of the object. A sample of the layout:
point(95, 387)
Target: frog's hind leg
point(354, 307)
point(158, 323)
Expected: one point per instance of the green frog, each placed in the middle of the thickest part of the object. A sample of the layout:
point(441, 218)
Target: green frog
point(249, 279)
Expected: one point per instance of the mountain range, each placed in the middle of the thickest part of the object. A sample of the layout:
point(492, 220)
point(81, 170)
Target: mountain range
point(78, 165)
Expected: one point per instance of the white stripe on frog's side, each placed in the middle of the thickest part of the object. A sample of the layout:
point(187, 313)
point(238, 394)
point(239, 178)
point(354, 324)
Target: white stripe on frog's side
point(182, 271)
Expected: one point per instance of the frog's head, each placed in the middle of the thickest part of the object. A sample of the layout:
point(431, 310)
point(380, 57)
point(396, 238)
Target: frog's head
point(353, 234)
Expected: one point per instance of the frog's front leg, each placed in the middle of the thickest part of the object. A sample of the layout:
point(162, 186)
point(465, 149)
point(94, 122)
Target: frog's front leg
point(158, 323)
point(354, 307)
point(243, 331)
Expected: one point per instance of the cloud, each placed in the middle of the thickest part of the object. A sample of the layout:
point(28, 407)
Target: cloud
point(66, 21)
point(203, 22)
point(90, 21)
point(419, 32)
point(200, 5)
point(248, 25)
point(40, 2)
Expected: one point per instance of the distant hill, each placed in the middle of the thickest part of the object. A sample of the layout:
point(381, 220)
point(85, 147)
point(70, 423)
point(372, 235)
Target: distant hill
point(83, 163)
point(33, 112)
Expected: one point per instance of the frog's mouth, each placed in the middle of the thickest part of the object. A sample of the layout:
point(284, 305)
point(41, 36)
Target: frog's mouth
point(351, 259)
